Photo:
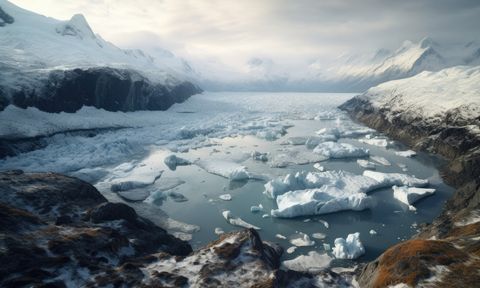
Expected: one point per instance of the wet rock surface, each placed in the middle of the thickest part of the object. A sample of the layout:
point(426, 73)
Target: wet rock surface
point(445, 252)
point(58, 231)
point(107, 88)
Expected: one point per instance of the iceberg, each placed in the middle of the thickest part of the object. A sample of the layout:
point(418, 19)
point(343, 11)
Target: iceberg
point(350, 248)
point(256, 209)
point(237, 221)
point(312, 262)
point(340, 150)
point(319, 167)
point(410, 195)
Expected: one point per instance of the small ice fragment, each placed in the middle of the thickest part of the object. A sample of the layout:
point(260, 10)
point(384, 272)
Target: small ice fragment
point(301, 240)
point(376, 141)
point(236, 221)
point(381, 160)
point(366, 164)
point(225, 197)
point(372, 232)
point(326, 247)
point(265, 215)
point(219, 231)
point(407, 153)
point(255, 209)
point(307, 220)
point(280, 236)
point(319, 167)
point(319, 236)
point(325, 223)
point(350, 248)
point(258, 156)
point(292, 249)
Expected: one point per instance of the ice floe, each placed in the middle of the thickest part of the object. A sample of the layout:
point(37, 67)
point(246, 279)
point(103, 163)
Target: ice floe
point(340, 150)
point(256, 209)
point(158, 197)
point(297, 155)
point(301, 240)
point(407, 153)
point(172, 161)
point(350, 248)
point(375, 141)
point(280, 236)
point(312, 262)
point(410, 195)
point(319, 236)
point(372, 232)
point(219, 231)
point(237, 221)
point(325, 223)
point(225, 197)
point(319, 167)
point(398, 179)
point(291, 249)
point(381, 160)
point(366, 164)
point(227, 169)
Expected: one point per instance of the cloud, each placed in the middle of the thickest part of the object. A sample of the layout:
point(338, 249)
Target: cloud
point(291, 33)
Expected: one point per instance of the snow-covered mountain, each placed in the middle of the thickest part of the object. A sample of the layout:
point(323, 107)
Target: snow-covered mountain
point(33, 46)
point(356, 73)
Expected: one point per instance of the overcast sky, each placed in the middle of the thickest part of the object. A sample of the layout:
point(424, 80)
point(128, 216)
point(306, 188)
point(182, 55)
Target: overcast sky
point(232, 32)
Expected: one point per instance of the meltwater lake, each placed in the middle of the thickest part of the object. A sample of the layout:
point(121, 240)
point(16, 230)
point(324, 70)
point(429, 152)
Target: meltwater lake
point(212, 129)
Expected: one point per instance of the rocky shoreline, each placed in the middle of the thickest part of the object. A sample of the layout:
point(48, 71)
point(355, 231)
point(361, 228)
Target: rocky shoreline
point(58, 231)
point(445, 253)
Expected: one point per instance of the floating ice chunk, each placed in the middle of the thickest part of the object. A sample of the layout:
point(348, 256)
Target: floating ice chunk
point(339, 150)
point(372, 232)
point(407, 153)
point(381, 160)
point(410, 195)
point(381, 142)
point(326, 247)
point(225, 197)
point(391, 179)
point(280, 236)
point(320, 201)
point(172, 161)
point(157, 197)
point(265, 215)
point(129, 185)
point(227, 169)
point(325, 223)
point(295, 141)
point(366, 164)
point(312, 142)
point(319, 236)
point(319, 167)
point(291, 250)
point(353, 132)
point(301, 240)
point(237, 221)
point(307, 220)
point(297, 156)
point(350, 248)
point(258, 156)
point(255, 209)
point(272, 133)
point(313, 262)
point(177, 197)
point(219, 231)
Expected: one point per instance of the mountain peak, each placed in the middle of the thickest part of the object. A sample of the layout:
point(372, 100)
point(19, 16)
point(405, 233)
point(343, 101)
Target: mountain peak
point(77, 26)
point(427, 42)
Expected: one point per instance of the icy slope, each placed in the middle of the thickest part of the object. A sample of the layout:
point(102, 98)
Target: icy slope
point(452, 92)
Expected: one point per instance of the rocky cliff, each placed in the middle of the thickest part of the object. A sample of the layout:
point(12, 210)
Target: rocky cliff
point(445, 253)
point(101, 87)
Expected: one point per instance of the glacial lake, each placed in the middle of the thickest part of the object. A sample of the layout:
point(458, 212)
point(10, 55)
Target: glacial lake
point(229, 127)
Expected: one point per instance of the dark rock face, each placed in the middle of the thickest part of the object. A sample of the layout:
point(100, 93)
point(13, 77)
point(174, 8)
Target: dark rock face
point(451, 139)
point(5, 18)
point(55, 229)
point(102, 87)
